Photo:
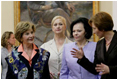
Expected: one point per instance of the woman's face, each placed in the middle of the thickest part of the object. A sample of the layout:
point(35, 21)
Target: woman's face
point(58, 26)
point(28, 37)
point(79, 32)
point(97, 31)
point(12, 40)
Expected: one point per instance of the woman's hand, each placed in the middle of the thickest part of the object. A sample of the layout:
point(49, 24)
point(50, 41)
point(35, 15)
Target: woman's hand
point(53, 76)
point(77, 53)
point(104, 69)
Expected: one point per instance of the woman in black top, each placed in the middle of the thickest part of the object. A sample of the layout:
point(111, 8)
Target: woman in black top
point(105, 62)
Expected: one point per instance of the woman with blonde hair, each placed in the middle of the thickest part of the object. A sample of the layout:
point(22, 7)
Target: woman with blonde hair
point(55, 46)
point(7, 42)
point(27, 61)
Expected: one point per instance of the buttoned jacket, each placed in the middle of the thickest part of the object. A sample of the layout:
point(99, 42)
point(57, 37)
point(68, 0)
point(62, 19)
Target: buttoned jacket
point(55, 56)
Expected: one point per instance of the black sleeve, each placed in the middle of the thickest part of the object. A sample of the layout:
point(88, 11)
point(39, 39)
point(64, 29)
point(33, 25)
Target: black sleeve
point(113, 67)
point(84, 62)
point(10, 74)
point(46, 73)
point(89, 66)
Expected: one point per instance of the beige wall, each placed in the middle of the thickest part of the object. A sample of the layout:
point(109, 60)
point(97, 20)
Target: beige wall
point(111, 8)
point(7, 16)
point(7, 13)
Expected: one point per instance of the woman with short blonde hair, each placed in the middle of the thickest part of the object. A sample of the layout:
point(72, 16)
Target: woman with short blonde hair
point(55, 46)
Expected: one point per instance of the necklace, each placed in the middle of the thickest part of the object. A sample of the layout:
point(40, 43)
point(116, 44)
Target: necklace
point(107, 44)
point(83, 45)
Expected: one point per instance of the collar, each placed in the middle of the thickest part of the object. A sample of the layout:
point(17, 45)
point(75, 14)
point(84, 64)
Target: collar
point(20, 48)
point(84, 45)
point(24, 54)
point(53, 40)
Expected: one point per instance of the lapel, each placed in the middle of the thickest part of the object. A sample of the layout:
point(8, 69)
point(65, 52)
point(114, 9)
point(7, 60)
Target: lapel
point(34, 59)
point(100, 51)
point(53, 46)
point(113, 43)
point(23, 60)
point(65, 42)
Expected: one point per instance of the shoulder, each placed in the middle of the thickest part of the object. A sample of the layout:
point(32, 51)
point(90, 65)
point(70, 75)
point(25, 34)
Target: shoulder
point(14, 53)
point(44, 52)
point(68, 40)
point(69, 44)
point(47, 43)
point(3, 49)
point(92, 43)
point(100, 41)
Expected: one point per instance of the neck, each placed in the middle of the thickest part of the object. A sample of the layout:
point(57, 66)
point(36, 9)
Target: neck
point(59, 37)
point(27, 46)
point(9, 48)
point(82, 43)
point(108, 36)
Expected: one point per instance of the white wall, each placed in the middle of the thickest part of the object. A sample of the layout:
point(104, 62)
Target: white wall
point(7, 13)
point(111, 8)
point(7, 16)
point(115, 14)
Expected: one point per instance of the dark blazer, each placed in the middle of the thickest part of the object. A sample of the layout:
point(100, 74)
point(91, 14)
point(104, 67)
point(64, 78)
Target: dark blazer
point(109, 58)
point(45, 74)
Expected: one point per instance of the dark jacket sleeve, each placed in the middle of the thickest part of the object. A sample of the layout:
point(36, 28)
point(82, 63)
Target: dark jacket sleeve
point(113, 68)
point(10, 74)
point(84, 62)
point(46, 73)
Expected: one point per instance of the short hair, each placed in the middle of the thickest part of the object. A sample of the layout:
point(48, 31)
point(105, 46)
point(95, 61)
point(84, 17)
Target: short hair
point(21, 28)
point(6, 35)
point(58, 17)
point(103, 21)
point(87, 27)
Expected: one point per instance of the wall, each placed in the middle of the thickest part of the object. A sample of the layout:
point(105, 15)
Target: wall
point(7, 16)
point(7, 13)
point(111, 8)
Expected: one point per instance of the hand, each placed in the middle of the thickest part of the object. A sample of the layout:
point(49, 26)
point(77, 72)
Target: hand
point(70, 7)
point(104, 69)
point(77, 53)
point(52, 76)
point(58, 75)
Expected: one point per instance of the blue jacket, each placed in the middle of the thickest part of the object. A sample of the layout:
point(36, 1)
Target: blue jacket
point(18, 66)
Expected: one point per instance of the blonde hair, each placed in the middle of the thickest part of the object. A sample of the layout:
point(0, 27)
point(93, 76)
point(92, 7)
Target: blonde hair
point(21, 28)
point(6, 35)
point(58, 17)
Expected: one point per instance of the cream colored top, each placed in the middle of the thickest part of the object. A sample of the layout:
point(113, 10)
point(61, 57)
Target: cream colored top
point(55, 59)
